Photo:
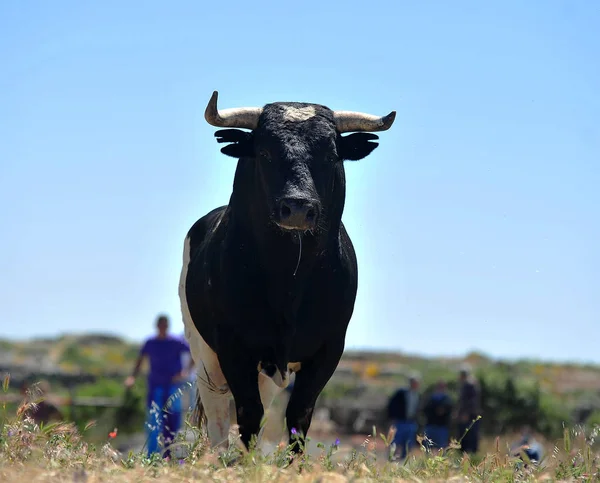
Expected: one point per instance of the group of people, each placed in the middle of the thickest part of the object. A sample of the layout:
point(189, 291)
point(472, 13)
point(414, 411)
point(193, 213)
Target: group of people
point(171, 366)
point(407, 411)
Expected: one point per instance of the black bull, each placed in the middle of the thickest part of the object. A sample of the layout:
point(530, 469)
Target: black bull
point(269, 281)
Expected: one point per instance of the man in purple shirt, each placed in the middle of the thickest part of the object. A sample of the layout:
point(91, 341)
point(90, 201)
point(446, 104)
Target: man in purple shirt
point(164, 379)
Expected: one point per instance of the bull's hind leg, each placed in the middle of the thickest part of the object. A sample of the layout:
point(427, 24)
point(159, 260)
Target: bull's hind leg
point(215, 406)
point(213, 391)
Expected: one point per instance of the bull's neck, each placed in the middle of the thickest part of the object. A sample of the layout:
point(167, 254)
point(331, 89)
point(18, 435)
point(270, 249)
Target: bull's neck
point(276, 250)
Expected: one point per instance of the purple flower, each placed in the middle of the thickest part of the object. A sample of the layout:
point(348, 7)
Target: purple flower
point(11, 433)
point(181, 462)
point(337, 441)
point(294, 431)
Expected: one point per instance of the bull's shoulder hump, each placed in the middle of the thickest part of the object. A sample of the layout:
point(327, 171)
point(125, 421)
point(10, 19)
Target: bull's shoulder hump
point(346, 244)
point(205, 226)
point(344, 235)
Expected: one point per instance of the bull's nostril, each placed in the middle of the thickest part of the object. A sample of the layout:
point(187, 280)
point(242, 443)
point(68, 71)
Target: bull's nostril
point(285, 211)
point(300, 214)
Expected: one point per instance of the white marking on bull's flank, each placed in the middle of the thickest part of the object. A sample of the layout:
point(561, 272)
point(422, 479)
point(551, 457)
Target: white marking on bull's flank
point(212, 385)
point(298, 114)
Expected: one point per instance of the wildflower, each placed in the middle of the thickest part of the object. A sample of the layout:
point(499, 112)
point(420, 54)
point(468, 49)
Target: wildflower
point(181, 462)
point(337, 442)
point(294, 431)
point(113, 434)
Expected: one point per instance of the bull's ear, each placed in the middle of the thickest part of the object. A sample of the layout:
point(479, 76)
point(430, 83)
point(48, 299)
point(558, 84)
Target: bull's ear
point(241, 142)
point(357, 146)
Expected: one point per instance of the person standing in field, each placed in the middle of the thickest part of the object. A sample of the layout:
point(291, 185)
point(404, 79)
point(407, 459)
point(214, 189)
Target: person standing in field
point(469, 409)
point(438, 414)
point(165, 377)
point(402, 410)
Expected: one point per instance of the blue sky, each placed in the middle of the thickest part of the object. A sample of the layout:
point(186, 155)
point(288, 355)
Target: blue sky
point(476, 222)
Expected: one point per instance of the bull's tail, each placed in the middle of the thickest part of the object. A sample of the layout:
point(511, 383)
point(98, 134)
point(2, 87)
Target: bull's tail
point(198, 416)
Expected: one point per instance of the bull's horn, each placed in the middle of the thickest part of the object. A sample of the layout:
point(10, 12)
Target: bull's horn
point(242, 117)
point(348, 121)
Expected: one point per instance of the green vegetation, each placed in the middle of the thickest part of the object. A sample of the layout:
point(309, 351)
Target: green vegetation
point(59, 452)
point(128, 416)
point(546, 396)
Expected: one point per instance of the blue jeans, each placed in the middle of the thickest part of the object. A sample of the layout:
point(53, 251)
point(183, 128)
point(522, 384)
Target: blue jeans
point(470, 441)
point(439, 436)
point(405, 437)
point(163, 416)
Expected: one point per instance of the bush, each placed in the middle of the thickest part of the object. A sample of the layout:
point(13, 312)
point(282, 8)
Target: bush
point(73, 356)
point(128, 416)
point(508, 406)
point(593, 420)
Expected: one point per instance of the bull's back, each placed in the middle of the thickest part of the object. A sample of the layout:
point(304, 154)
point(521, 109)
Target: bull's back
point(198, 233)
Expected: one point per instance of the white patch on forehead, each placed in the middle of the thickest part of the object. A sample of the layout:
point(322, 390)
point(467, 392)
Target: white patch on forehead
point(297, 114)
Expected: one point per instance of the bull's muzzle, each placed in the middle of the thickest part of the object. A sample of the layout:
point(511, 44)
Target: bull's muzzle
point(297, 214)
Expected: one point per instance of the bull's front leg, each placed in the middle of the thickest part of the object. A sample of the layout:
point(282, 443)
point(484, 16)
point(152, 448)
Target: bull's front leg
point(240, 368)
point(310, 381)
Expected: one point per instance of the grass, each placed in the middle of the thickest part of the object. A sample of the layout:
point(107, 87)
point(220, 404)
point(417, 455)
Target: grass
point(511, 391)
point(60, 452)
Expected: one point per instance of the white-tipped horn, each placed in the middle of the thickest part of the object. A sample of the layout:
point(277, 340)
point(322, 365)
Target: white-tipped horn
point(242, 117)
point(348, 121)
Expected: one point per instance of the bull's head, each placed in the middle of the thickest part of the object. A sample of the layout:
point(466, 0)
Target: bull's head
point(297, 151)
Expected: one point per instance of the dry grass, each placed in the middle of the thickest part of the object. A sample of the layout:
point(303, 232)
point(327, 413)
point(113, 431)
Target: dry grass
point(60, 453)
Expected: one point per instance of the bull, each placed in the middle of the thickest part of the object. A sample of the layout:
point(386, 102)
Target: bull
point(269, 281)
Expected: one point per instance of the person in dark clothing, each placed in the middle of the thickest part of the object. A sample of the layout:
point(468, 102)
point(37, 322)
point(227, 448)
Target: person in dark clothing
point(469, 409)
point(402, 410)
point(438, 413)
